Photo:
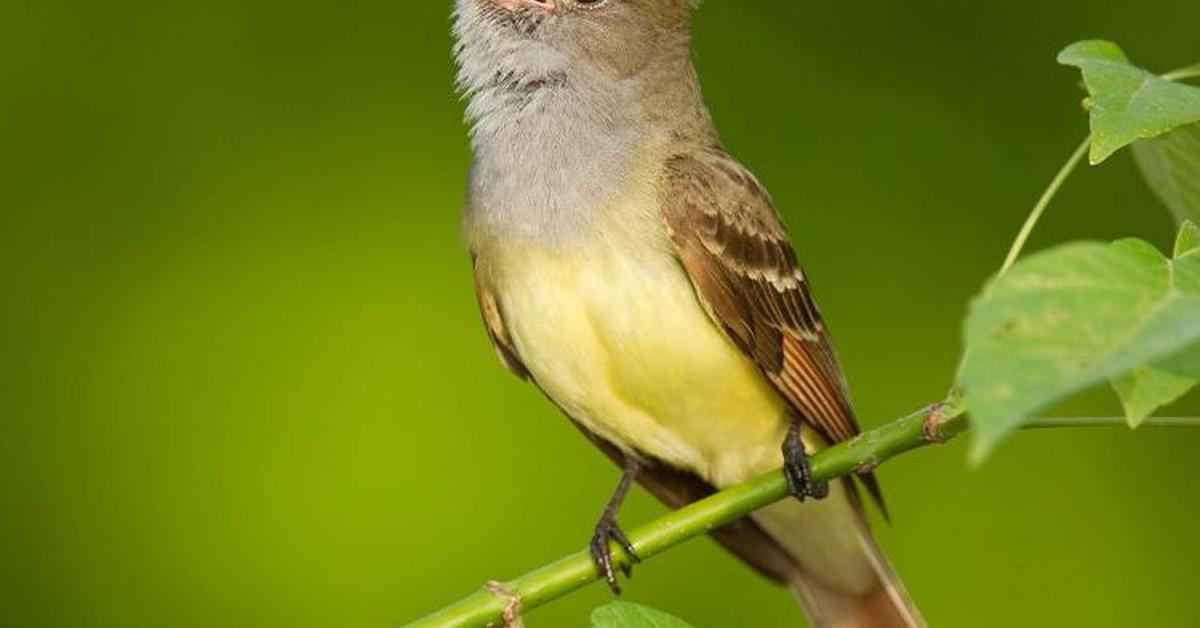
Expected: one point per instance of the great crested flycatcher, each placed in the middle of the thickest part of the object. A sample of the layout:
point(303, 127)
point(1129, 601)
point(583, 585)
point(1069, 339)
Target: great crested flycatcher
point(642, 278)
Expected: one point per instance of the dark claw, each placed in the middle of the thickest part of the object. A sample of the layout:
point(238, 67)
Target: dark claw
point(619, 536)
point(797, 470)
point(608, 531)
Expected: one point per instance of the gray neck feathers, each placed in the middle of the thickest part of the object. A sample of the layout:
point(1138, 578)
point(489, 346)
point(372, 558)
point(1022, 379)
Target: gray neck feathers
point(554, 140)
point(547, 156)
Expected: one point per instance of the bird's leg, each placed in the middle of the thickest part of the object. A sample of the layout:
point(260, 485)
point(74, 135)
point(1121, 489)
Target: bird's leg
point(608, 531)
point(797, 470)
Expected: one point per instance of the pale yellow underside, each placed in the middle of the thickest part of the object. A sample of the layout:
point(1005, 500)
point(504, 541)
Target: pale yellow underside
point(613, 332)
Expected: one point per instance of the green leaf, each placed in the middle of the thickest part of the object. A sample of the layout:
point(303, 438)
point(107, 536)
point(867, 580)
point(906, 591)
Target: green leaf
point(1171, 165)
point(1127, 102)
point(1145, 389)
point(626, 615)
point(1068, 318)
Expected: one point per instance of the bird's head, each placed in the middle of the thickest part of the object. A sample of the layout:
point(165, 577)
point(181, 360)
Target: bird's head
point(523, 43)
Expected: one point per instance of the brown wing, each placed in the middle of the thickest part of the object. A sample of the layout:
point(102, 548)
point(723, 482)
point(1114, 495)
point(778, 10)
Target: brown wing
point(731, 241)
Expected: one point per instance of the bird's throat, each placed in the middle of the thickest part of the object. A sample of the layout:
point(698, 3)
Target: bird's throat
point(548, 157)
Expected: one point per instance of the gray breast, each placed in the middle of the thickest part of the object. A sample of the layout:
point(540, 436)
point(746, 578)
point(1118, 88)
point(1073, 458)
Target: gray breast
point(550, 152)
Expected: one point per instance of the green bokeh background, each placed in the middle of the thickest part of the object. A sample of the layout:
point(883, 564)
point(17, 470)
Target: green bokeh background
point(243, 383)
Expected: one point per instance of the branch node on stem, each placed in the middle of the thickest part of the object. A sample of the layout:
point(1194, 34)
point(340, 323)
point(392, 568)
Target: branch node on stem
point(935, 418)
point(512, 607)
point(866, 466)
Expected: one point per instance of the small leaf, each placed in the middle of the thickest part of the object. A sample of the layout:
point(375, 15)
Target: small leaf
point(627, 615)
point(1171, 165)
point(1068, 318)
point(1145, 389)
point(1127, 102)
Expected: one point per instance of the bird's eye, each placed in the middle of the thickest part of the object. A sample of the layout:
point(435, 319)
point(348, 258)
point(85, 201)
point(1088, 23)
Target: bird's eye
point(591, 4)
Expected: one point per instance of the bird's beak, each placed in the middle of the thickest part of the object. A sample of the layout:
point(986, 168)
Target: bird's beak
point(545, 6)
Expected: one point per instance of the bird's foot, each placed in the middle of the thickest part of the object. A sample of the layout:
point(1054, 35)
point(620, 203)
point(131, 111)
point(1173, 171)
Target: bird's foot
point(608, 531)
point(797, 469)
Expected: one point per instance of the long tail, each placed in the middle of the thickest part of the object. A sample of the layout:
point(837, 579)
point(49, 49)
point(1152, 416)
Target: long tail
point(840, 576)
point(885, 605)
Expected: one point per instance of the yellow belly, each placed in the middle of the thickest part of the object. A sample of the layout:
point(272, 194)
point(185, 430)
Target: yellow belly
point(619, 340)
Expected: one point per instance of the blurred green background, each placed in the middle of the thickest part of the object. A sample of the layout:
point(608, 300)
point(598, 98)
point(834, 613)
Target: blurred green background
point(243, 382)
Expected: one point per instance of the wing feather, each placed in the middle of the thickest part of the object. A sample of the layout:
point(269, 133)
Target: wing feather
point(732, 243)
point(493, 320)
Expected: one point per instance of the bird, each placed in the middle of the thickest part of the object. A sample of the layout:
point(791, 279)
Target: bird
point(642, 278)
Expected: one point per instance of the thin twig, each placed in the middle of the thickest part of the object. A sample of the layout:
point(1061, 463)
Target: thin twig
point(1190, 72)
point(936, 424)
point(1109, 421)
point(1036, 215)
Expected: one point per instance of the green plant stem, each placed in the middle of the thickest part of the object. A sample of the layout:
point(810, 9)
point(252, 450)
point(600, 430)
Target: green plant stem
point(485, 608)
point(1108, 421)
point(1190, 72)
point(1036, 215)
point(936, 424)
